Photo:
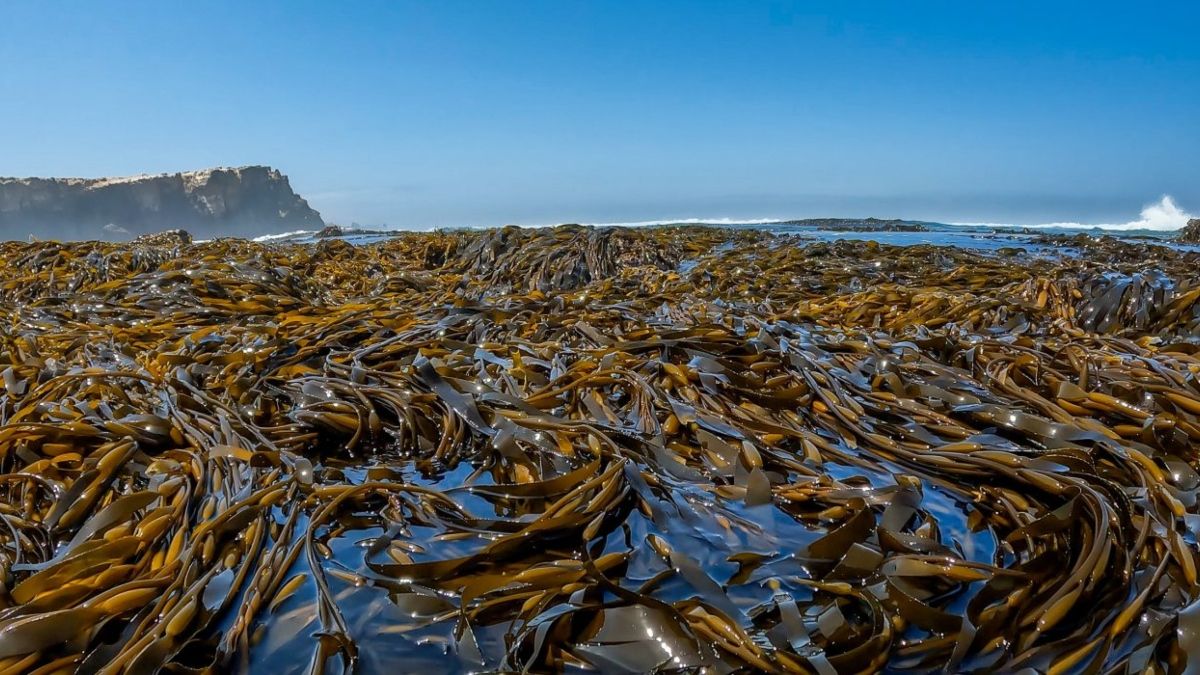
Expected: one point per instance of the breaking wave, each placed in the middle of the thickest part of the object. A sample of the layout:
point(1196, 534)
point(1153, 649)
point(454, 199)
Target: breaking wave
point(1161, 216)
point(283, 235)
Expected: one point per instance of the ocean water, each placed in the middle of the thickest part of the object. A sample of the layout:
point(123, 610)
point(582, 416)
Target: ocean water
point(987, 238)
point(1157, 223)
point(983, 237)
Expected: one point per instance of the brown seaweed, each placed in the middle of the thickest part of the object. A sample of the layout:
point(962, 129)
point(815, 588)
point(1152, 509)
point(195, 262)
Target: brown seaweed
point(673, 449)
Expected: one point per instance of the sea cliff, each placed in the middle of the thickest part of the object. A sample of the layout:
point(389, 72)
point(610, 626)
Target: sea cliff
point(243, 201)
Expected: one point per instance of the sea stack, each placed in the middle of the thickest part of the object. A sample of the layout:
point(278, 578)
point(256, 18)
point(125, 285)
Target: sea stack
point(245, 201)
point(1190, 234)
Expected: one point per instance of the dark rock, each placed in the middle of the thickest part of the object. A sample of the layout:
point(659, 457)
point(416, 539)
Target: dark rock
point(859, 224)
point(332, 247)
point(1190, 234)
point(241, 202)
point(169, 238)
point(331, 231)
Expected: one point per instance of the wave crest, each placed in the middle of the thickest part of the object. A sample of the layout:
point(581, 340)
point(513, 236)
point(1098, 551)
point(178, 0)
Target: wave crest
point(1161, 216)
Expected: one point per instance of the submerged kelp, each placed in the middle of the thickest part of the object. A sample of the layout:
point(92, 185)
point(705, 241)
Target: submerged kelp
point(629, 450)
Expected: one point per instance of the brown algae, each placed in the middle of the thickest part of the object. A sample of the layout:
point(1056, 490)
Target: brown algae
point(672, 449)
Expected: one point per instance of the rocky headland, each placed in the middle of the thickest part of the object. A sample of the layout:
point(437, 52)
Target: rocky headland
point(244, 201)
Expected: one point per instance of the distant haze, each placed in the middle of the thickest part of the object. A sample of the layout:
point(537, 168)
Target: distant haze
point(467, 113)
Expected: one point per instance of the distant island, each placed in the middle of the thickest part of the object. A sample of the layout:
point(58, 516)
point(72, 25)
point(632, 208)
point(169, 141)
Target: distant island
point(244, 201)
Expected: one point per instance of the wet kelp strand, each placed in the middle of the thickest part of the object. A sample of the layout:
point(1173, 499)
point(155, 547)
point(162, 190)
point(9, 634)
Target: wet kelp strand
point(679, 449)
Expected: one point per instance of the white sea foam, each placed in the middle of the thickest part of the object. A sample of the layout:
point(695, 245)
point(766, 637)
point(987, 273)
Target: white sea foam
point(283, 235)
point(1161, 216)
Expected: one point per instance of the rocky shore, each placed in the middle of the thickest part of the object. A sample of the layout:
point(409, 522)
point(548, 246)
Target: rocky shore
point(1190, 234)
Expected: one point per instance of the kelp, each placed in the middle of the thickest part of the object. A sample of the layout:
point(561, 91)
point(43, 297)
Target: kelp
point(670, 449)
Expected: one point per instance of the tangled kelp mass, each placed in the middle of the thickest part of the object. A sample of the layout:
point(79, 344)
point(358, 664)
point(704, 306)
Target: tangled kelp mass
point(625, 450)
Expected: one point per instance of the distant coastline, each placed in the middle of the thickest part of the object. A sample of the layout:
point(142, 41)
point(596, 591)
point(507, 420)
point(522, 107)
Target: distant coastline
point(258, 202)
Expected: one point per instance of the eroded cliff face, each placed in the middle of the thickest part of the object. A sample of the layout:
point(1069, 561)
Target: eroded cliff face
point(245, 201)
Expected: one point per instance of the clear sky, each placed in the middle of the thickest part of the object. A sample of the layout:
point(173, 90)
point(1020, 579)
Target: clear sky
point(455, 113)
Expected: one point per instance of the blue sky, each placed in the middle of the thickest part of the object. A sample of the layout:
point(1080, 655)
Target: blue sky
point(452, 113)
